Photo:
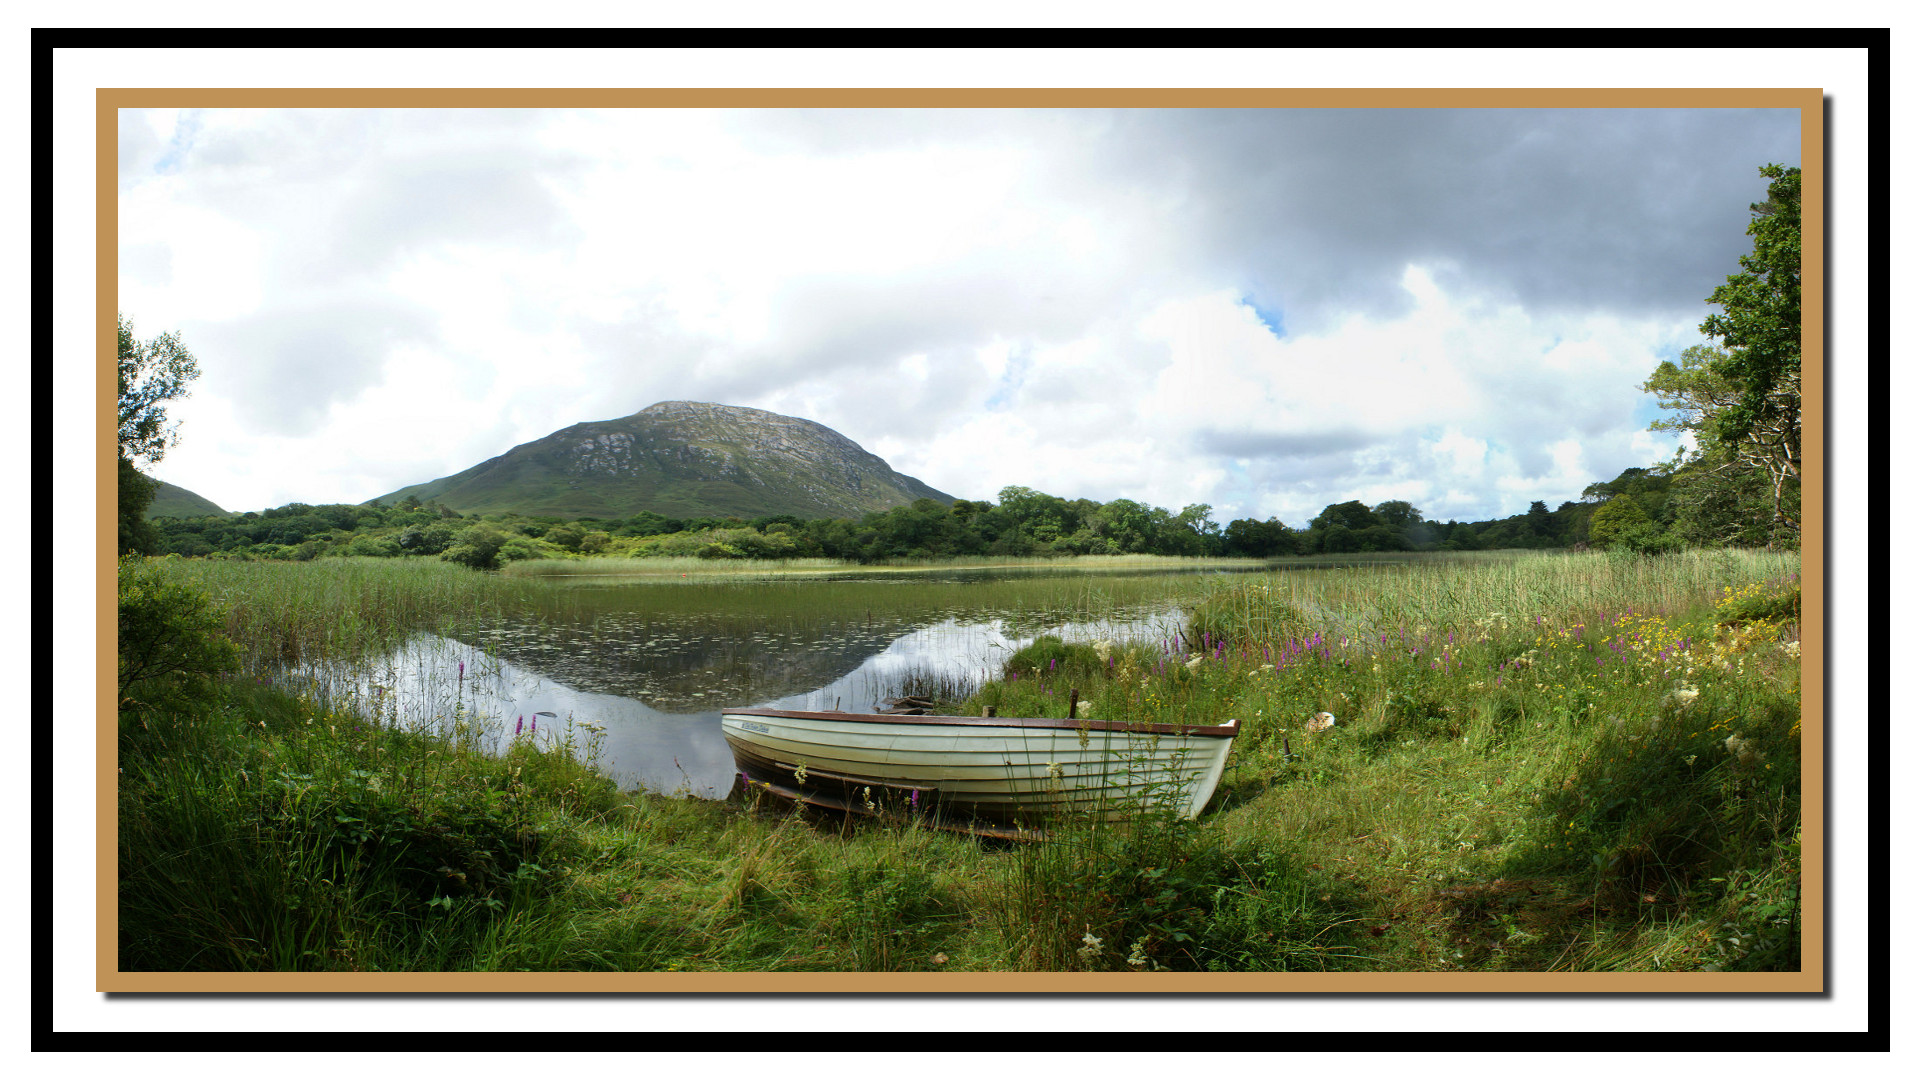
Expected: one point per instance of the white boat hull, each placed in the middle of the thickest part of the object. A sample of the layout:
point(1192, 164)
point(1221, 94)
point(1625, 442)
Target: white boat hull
point(1004, 772)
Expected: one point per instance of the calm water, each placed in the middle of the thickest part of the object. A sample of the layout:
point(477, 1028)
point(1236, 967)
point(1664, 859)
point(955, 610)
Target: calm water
point(643, 671)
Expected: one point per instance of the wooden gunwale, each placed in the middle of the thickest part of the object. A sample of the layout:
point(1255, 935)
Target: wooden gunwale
point(1214, 731)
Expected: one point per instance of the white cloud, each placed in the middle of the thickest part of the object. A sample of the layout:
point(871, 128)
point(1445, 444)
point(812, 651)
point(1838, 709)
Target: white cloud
point(1044, 298)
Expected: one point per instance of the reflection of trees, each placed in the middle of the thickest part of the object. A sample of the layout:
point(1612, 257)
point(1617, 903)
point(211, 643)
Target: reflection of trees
point(690, 663)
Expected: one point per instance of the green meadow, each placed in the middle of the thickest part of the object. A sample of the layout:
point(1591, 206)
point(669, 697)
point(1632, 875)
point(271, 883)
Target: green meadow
point(1544, 761)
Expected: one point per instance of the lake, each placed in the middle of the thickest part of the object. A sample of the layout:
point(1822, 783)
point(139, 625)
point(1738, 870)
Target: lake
point(638, 673)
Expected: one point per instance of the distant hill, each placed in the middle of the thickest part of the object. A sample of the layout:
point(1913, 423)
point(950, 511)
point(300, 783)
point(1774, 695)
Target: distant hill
point(178, 502)
point(681, 459)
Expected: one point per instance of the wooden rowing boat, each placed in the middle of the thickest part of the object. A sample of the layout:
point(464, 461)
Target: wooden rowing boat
point(994, 775)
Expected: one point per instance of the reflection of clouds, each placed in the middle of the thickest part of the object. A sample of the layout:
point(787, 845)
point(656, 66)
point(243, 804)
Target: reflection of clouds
point(433, 682)
point(962, 652)
point(424, 685)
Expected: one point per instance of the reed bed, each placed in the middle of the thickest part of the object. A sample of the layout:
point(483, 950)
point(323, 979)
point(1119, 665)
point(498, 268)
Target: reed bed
point(285, 613)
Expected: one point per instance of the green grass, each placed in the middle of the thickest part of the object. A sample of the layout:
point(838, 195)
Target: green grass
point(1490, 798)
point(1584, 787)
point(343, 608)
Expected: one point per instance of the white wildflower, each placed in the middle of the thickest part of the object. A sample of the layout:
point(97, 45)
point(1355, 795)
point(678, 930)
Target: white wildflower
point(1743, 750)
point(1138, 957)
point(1104, 650)
point(1193, 662)
point(1682, 697)
point(1090, 947)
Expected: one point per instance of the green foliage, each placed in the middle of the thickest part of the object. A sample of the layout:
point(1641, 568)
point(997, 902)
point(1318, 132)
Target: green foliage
point(285, 836)
point(1615, 519)
point(138, 536)
point(1258, 539)
point(172, 649)
point(1721, 501)
point(1775, 602)
point(1759, 320)
point(1353, 515)
point(478, 546)
point(1740, 402)
point(1743, 491)
point(1158, 892)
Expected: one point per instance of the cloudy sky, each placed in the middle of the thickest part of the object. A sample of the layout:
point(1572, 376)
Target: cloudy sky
point(1262, 310)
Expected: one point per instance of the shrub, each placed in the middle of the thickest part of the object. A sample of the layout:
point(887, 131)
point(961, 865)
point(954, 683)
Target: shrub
point(479, 547)
point(172, 649)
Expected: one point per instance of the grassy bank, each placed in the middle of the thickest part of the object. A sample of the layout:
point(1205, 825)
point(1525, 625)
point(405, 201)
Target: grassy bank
point(1553, 762)
point(1529, 767)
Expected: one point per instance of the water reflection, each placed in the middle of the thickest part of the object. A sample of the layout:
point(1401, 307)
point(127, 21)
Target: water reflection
point(645, 703)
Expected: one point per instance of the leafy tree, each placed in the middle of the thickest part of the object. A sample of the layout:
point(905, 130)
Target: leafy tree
point(1759, 321)
point(1741, 401)
point(1398, 513)
point(1125, 524)
point(1353, 514)
point(1258, 539)
point(1615, 519)
point(1725, 475)
point(1201, 532)
point(151, 374)
point(1716, 502)
point(1540, 520)
point(1042, 516)
point(1337, 539)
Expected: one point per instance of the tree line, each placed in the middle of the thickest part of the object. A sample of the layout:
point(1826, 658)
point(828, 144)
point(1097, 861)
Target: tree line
point(1024, 522)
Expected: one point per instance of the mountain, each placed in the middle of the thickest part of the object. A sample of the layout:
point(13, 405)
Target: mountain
point(178, 502)
point(682, 459)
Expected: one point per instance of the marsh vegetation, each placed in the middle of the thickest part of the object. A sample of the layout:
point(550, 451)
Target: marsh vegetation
point(1546, 761)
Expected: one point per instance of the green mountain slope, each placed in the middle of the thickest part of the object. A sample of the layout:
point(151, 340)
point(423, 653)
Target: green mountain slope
point(178, 502)
point(681, 459)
